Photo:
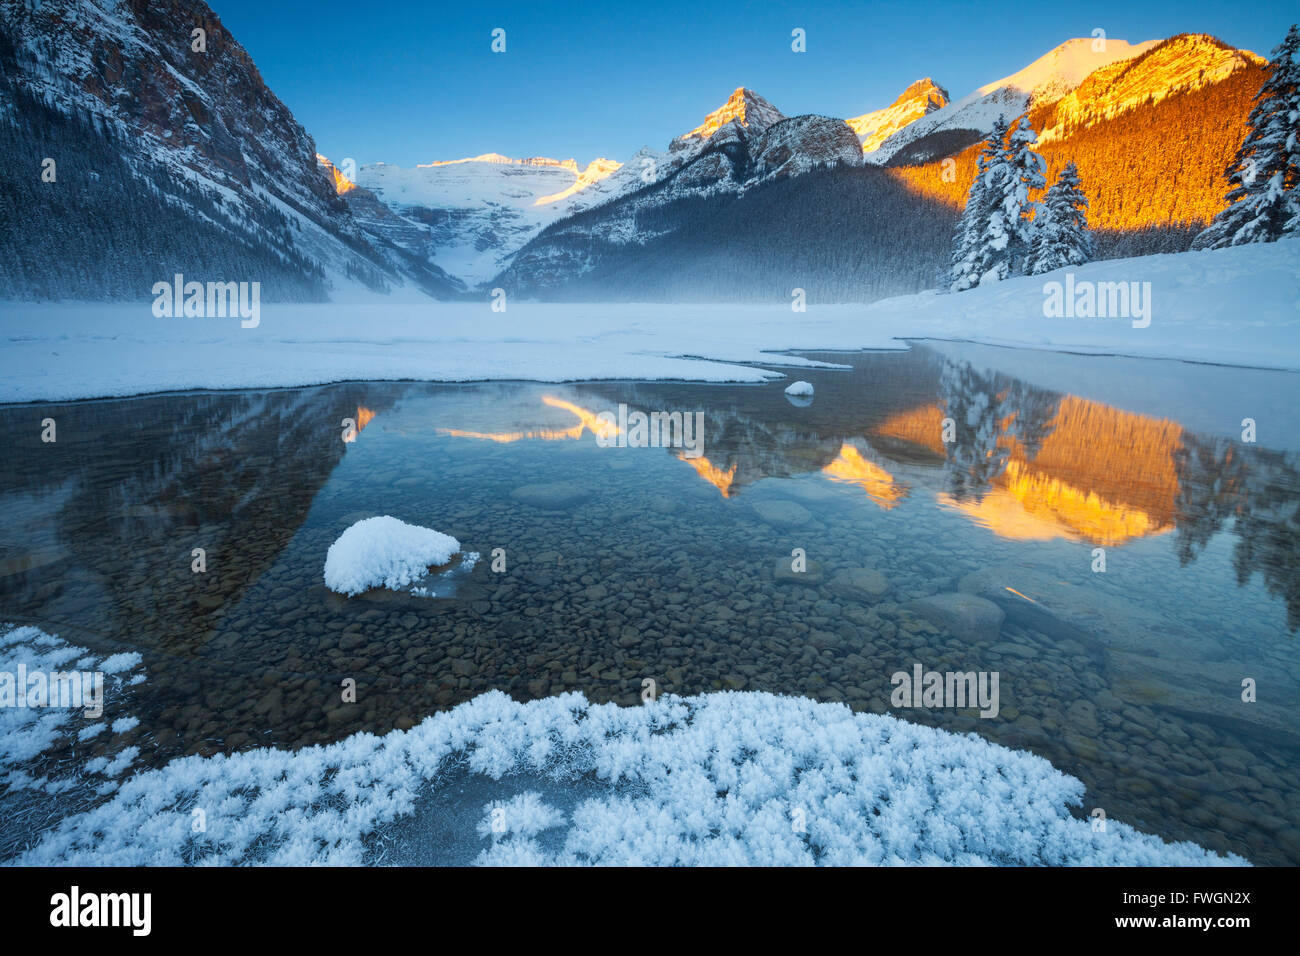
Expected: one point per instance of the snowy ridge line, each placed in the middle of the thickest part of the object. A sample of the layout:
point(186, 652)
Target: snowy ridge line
point(1046, 80)
point(723, 778)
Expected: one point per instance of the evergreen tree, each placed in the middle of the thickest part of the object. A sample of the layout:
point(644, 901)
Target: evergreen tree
point(970, 255)
point(1060, 236)
point(992, 238)
point(1263, 204)
point(1025, 173)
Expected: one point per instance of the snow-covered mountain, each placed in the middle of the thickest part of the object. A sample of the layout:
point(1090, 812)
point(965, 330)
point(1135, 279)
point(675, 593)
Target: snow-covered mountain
point(1048, 79)
point(478, 213)
point(920, 99)
point(743, 144)
point(1150, 136)
point(1182, 63)
point(475, 213)
point(744, 109)
point(173, 156)
point(748, 140)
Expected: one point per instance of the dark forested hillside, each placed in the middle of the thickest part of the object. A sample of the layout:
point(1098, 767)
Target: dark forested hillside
point(129, 157)
point(847, 234)
point(106, 229)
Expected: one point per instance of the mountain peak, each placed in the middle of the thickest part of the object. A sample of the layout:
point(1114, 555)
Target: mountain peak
point(1187, 61)
point(1062, 68)
point(919, 99)
point(744, 107)
point(1045, 81)
point(926, 91)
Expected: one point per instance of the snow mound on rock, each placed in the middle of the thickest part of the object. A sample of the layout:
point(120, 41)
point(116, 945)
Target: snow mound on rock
point(799, 388)
point(384, 552)
point(724, 778)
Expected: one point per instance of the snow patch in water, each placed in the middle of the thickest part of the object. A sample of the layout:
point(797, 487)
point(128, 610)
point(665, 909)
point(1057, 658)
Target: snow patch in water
point(384, 552)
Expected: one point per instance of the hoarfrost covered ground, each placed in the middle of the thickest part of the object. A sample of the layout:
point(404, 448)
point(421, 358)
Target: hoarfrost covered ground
point(730, 777)
point(44, 770)
point(1238, 306)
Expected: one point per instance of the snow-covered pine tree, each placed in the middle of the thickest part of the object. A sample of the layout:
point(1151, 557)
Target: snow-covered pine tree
point(969, 255)
point(1026, 172)
point(1060, 237)
point(1263, 202)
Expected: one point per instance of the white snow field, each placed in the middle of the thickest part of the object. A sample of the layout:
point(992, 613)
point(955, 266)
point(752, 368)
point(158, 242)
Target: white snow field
point(1238, 306)
point(384, 552)
point(724, 778)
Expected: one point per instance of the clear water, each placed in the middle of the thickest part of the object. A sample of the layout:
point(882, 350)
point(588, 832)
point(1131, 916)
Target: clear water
point(635, 563)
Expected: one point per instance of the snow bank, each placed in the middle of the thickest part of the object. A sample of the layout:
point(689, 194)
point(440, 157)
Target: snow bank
point(384, 552)
point(748, 778)
point(1230, 306)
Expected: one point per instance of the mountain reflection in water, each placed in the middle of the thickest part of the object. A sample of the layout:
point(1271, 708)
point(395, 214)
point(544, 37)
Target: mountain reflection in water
point(624, 563)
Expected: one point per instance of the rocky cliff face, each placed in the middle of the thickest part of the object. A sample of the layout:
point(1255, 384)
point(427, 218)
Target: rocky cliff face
point(187, 104)
point(804, 143)
point(1046, 80)
point(744, 110)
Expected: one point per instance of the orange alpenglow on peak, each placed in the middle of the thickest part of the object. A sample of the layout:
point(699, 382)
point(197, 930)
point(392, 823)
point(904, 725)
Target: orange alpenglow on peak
point(919, 99)
point(596, 170)
point(743, 106)
point(852, 468)
point(498, 159)
point(341, 183)
point(926, 91)
point(1101, 475)
point(587, 421)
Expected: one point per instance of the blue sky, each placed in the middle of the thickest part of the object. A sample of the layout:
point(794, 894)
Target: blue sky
point(412, 82)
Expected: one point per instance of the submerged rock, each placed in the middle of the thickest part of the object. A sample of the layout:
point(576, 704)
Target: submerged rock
point(1207, 691)
point(1091, 616)
point(783, 571)
point(783, 514)
point(962, 615)
point(861, 584)
point(555, 496)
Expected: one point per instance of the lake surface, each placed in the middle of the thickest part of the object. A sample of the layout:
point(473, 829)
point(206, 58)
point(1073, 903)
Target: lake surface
point(623, 564)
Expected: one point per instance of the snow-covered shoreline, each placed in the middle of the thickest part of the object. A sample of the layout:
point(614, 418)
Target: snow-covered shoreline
point(1238, 306)
point(739, 778)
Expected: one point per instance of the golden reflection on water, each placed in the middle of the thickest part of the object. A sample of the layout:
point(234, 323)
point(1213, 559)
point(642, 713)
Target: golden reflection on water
point(1100, 475)
point(852, 468)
